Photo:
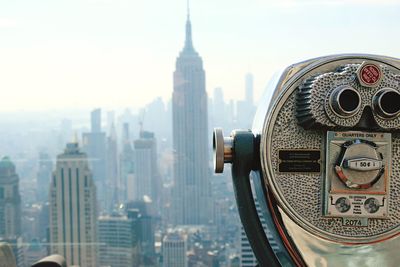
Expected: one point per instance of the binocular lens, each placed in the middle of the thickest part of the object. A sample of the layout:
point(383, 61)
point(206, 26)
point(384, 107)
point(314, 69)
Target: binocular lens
point(387, 103)
point(345, 101)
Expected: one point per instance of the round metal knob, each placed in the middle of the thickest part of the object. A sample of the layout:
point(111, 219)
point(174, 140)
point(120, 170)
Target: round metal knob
point(223, 150)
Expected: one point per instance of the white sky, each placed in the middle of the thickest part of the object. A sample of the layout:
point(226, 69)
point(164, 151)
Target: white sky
point(121, 53)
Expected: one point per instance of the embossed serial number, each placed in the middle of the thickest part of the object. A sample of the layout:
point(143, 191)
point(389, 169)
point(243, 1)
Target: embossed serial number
point(355, 222)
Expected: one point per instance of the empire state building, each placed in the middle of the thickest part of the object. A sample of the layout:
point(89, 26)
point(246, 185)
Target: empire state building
point(191, 194)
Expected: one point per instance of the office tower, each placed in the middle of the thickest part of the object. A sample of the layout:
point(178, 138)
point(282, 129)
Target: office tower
point(110, 121)
point(95, 120)
point(147, 182)
point(245, 109)
point(174, 249)
point(43, 176)
point(157, 120)
point(191, 193)
point(247, 258)
point(112, 178)
point(118, 238)
point(147, 223)
point(73, 208)
point(10, 200)
point(94, 144)
point(126, 166)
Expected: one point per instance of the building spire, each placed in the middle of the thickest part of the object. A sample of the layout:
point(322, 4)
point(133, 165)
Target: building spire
point(188, 10)
point(188, 41)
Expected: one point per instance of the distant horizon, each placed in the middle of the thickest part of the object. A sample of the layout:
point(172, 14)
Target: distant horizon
point(100, 53)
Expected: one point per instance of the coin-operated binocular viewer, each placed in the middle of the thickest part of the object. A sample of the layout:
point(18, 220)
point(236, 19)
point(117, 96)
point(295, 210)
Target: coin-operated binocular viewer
point(324, 157)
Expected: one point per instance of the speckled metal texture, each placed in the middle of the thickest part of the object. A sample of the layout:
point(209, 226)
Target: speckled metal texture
point(300, 194)
point(303, 192)
point(313, 107)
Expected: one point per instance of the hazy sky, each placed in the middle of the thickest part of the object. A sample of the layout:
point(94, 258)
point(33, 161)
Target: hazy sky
point(114, 53)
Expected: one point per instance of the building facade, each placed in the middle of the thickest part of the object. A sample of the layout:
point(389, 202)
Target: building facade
point(94, 145)
point(10, 200)
point(73, 211)
point(43, 176)
point(119, 246)
point(174, 249)
point(147, 182)
point(191, 193)
point(126, 167)
point(247, 258)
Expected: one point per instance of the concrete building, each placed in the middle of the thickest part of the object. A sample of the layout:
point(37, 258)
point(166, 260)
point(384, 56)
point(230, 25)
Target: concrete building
point(73, 211)
point(191, 193)
point(43, 176)
point(112, 177)
point(147, 180)
point(118, 238)
point(247, 258)
point(174, 250)
point(245, 109)
point(126, 167)
point(10, 200)
point(94, 145)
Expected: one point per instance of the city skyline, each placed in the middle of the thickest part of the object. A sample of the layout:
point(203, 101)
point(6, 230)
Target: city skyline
point(111, 50)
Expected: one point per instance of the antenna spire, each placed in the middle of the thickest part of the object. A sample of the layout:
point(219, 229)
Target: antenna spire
point(188, 42)
point(188, 9)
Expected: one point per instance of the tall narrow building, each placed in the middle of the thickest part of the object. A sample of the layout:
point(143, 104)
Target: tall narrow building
point(191, 193)
point(73, 209)
point(126, 185)
point(94, 145)
point(10, 200)
point(43, 177)
point(147, 180)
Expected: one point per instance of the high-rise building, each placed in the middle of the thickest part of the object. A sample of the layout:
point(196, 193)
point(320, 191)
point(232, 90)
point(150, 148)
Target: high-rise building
point(247, 258)
point(10, 200)
point(191, 193)
point(112, 179)
point(174, 249)
point(43, 176)
point(245, 109)
point(73, 208)
point(126, 184)
point(147, 182)
point(118, 238)
point(146, 224)
point(94, 144)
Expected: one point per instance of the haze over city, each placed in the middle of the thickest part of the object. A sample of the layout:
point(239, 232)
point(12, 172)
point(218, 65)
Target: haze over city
point(116, 54)
point(109, 107)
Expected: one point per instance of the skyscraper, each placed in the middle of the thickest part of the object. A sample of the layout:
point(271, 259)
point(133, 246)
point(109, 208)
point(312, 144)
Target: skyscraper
point(73, 208)
point(126, 186)
point(118, 238)
point(247, 258)
point(174, 249)
point(191, 193)
point(10, 200)
point(146, 170)
point(94, 144)
point(112, 178)
point(43, 176)
point(245, 108)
